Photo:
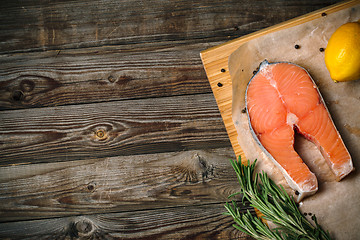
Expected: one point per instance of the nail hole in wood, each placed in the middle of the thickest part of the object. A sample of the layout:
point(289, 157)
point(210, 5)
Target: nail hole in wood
point(223, 70)
point(220, 84)
point(323, 14)
point(91, 187)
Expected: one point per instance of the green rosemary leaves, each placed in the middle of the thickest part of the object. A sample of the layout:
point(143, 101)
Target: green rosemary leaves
point(274, 204)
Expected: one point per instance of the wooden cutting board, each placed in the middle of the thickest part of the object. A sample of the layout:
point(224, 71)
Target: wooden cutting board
point(215, 61)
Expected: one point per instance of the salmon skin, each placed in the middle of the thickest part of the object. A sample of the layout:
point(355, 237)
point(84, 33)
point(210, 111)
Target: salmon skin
point(282, 98)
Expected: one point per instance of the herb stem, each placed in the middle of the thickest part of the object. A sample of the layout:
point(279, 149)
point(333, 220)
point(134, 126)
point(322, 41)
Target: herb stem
point(276, 206)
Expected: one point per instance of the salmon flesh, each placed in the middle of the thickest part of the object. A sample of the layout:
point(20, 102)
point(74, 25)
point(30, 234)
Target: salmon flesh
point(282, 98)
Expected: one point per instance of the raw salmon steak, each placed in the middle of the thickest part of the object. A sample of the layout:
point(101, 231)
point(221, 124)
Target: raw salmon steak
point(282, 98)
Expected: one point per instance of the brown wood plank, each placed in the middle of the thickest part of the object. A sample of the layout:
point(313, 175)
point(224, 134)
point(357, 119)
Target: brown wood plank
point(56, 78)
point(137, 67)
point(28, 81)
point(204, 221)
point(116, 184)
point(44, 25)
point(110, 129)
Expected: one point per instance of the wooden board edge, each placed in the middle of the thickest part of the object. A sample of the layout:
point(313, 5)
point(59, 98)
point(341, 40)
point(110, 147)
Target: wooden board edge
point(286, 24)
point(224, 50)
point(221, 85)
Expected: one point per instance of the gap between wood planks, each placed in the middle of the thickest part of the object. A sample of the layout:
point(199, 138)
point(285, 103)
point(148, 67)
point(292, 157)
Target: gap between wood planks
point(116, 184)
point(67, 133)
point(245, 208)
point(198, 220)
point(50, 25)
point(202, 214)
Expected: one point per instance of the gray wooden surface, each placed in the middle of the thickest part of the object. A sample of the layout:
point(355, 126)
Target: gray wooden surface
point(108, 126)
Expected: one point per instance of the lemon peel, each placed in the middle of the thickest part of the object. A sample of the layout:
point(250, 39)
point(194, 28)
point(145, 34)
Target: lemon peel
point(342, 54)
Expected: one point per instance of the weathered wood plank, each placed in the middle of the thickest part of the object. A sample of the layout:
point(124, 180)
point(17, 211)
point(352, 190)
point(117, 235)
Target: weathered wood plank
point(110, 129)
point(189, 222)
point(137, 67)
point(100, 74)
point(116, 184)
point(44, 25)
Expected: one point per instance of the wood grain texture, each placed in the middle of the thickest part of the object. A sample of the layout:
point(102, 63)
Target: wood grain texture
point(44, 25)
point(111, 129)
point(99, 74)
point(116, 184)
point(204, 221)
point(152, 51)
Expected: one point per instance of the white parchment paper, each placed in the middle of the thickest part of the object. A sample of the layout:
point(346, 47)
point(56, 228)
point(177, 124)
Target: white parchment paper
point(336, 204)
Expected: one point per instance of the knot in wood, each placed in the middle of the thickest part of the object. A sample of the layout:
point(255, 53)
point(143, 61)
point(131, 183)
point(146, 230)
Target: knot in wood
point(82, 228)
point(17, 95)
point(27, 85)
point(91, 187)
point(190, 168)
point(111, 79)
point(101, 134)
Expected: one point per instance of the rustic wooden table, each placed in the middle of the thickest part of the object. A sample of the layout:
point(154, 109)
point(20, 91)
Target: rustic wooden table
point(108, 126)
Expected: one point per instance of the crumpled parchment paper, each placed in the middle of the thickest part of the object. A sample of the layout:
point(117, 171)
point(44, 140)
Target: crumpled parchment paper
point(336, 204)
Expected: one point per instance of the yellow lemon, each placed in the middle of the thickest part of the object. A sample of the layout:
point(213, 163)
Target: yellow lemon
point(342, 54)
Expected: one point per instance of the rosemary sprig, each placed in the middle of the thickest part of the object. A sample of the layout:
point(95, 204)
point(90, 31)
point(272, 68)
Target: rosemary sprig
point(275, 205)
